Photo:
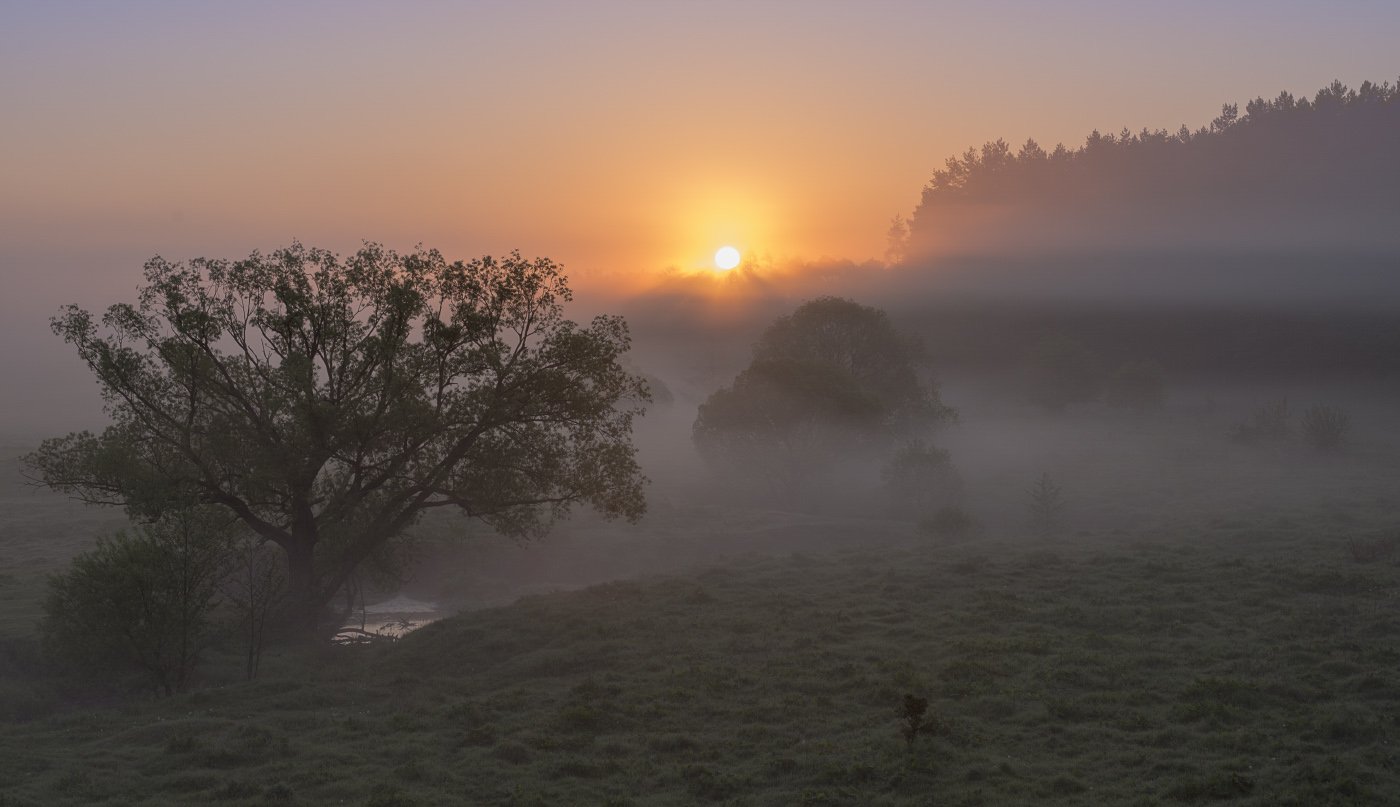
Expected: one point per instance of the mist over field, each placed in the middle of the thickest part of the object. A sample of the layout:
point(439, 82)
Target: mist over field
point(440, 454)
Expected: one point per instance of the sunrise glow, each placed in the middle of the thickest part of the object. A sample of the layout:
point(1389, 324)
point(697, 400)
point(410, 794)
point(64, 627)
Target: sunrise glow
point(726, 258)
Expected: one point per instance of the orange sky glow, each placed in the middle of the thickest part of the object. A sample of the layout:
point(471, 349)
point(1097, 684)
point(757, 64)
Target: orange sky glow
point(626, 140)
point(621, 139)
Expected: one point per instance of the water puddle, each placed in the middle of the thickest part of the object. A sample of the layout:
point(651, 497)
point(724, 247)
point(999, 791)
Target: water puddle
point(389, 620)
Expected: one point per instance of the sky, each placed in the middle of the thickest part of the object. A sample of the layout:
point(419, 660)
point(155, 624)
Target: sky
point(619, 138)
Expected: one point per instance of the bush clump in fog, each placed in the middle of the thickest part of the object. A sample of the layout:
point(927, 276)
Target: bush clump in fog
point(1270, 422)
point(920, 479)
point(1046, 506)
point(1325, 427)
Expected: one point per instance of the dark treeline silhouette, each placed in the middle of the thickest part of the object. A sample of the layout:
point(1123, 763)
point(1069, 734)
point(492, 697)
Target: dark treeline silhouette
point(1265, 245)
point(1285, 172)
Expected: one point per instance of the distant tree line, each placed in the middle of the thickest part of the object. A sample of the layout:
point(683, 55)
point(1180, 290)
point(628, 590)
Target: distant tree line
point(1334, 152)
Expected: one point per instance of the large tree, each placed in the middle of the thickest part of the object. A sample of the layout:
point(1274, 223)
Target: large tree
point(829, 381)
point(329, 402)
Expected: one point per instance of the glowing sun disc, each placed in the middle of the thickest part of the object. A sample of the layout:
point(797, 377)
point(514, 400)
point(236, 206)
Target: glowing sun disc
point(727, 258)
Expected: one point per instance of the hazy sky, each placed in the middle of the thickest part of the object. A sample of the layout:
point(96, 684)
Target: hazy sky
point(618, 138)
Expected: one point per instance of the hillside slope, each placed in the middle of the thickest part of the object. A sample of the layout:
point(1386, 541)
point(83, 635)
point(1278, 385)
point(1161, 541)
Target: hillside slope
point(1254, 663)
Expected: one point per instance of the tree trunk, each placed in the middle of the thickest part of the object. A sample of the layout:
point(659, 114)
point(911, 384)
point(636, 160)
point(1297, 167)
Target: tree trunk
point(304, 604)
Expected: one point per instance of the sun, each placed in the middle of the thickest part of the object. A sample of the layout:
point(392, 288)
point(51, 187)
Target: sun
point(727, 258)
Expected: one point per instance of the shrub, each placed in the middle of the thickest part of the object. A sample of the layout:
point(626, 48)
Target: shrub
point(1268, 422)
point(140, 600)
point(1046, 506)
point(1374, 550)
point(913, 721)
point(1325, 427)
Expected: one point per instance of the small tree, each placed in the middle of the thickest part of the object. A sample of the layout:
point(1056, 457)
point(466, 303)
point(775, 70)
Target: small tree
point(256, 587)
point(141, 599)
point(1047, 505)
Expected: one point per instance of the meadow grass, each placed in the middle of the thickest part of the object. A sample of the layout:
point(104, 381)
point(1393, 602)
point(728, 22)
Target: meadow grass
point(1254, 672)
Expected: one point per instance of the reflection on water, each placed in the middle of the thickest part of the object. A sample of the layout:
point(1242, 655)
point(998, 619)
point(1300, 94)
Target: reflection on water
point(388, 620)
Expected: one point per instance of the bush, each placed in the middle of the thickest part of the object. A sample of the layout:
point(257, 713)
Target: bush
point(1268, 422)
point(140, 600)
point(1047, 504)
point(1325, 427)
point(1377, 549)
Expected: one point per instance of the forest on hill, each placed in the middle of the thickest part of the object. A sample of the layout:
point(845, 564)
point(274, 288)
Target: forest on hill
point(1283, 173)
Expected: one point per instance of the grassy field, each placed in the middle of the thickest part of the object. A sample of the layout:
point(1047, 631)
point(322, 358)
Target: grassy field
point(1201, 632)
point(1258, 667)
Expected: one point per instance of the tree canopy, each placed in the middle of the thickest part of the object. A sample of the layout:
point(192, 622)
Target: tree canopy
point(327, 402)
point(1324, 167)
point(832, 377)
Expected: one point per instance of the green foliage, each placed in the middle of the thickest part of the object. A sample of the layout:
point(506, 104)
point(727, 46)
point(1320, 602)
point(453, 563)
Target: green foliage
point(1061, 371)
point(1325, 427)
point(1136, 386)
point(141, 600)
point(326, 402)
point(861, 343)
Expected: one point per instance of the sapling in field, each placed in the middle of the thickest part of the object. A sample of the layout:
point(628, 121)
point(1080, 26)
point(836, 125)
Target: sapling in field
point(1268, 422)
point(914, 721)
point(1047, 505)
